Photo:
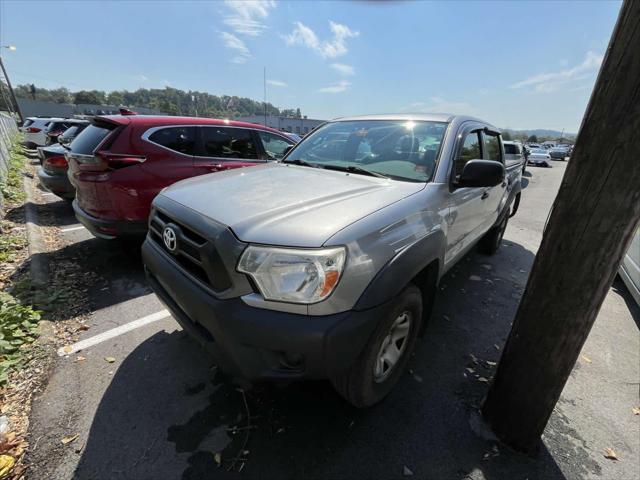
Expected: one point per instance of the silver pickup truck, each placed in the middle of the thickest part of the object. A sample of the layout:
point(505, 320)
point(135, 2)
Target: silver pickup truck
point(326, 264)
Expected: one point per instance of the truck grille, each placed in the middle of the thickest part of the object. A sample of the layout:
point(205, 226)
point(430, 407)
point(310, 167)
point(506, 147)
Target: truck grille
point(193, 253)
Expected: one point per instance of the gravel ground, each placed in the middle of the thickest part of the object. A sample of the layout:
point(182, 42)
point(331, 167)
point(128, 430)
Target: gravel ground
point(159, 410)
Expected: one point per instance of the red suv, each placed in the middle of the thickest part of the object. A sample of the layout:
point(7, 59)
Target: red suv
point(119, 163)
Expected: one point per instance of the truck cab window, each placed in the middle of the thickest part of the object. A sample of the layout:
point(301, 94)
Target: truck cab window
point(470, 151)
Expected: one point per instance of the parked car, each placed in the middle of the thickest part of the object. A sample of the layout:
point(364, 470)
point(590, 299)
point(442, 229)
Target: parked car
point(296, 138)
point(629, 270)
point(53, 173)
point(513, 152)
point(119, 163)
point(65, 138)
point(559, 153)
point(34, 132)
point(539, 157)
point(326, 264)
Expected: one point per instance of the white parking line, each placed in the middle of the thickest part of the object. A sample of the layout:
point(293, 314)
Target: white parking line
point(71, 229)
point(114, 332)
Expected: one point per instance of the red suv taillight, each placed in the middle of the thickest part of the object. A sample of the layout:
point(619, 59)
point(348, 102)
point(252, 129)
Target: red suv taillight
point(57, 162)
point(115, 161)
point(32, 130)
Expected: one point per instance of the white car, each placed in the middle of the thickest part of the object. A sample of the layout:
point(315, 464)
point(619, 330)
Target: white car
point(629, 269)
point(34, 130)
point(539, 157)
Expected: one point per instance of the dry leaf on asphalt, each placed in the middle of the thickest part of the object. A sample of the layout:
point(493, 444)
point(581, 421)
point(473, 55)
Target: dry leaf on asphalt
point(610, 454)
point(69, 439)
point(82, 328)
point(475, 278)
point(218, 458)
point(586, 359)
point(636, 410)
point(109, 359)
point(483, 380)
point(67, 349)
point(80, 358)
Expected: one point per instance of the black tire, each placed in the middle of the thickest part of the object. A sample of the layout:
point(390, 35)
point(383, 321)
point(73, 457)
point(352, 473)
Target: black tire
point(359, 385)
point(490, 243)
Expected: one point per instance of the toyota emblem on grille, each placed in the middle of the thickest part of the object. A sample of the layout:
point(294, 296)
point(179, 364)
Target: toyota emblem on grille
point(169, 238)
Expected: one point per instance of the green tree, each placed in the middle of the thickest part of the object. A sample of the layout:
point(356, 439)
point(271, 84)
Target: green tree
point(89, 96)
point(532, 139)
point(506, 135)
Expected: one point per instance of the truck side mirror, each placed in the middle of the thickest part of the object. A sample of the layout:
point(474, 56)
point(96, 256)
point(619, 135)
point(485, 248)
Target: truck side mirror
point(481, 173)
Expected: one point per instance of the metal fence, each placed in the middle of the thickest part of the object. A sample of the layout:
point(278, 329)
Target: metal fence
point(8, 131)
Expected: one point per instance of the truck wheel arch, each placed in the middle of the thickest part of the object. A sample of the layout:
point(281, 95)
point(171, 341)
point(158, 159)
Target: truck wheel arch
point(420, 263)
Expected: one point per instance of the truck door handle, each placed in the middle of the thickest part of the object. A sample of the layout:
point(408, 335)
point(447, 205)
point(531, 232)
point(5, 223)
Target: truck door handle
point(484, 195)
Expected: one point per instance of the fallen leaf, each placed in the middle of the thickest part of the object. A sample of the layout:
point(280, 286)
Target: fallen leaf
point(6, 464)
point(69, 439)
point(218, 458)
point(406, 471)
point(475, 278)
point(470, 370)
point(636, 410)
point(446, 318)
point(82, 328)
point(80, 359)
point(67, 349)
point(610, 454)
point(496, 347)
point(483, 379)
point(109, 359)
point(586, 359)
point(491, 364)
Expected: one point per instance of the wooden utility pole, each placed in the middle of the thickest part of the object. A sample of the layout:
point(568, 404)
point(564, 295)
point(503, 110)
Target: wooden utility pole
point(594, 217)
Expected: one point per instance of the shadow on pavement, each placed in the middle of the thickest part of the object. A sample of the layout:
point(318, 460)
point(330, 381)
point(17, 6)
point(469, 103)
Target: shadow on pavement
point(621, 289)
point(166, 413)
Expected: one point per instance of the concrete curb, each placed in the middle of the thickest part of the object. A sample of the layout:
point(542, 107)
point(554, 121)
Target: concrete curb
point(39, 265)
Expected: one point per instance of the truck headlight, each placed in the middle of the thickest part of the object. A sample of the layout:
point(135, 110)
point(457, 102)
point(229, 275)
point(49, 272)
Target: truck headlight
point(293, 275)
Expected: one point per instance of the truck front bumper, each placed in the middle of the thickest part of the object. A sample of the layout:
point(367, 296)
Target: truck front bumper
point(256, 344)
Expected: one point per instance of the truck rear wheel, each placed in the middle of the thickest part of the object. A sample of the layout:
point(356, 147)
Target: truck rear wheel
point(383, 360)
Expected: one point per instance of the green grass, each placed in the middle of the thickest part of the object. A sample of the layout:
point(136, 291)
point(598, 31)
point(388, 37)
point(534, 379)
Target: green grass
point(18, 329)
point(11, 186)
point(9, 243)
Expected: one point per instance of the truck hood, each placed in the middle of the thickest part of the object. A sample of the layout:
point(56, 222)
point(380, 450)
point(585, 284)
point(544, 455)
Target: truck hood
point(284, 204)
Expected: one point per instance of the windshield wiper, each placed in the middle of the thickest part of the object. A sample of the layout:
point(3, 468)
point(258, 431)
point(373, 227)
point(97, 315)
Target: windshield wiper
point(302, 163)
point(355, 169)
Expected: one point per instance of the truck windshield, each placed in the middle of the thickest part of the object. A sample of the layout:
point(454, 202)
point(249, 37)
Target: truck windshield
point(400, 149)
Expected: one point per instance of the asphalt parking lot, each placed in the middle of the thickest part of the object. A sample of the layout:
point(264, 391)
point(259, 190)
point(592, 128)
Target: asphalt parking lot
point(161, 410)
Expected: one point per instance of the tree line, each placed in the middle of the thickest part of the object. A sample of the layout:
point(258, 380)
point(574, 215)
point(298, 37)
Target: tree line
point(168, 100)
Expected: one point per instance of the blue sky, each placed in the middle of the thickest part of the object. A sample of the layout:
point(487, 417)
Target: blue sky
point(516, 64)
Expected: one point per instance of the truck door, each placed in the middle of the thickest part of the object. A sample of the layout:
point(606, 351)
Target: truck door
point(495, 196)
point(467, 205)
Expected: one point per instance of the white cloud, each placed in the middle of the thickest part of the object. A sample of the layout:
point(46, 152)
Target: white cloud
point(277, 83)
point(247, 17)
point(343, 69)
point(550, 82)
point(242, 53)
point(141, 78)
point(438, 105)
point(334, 47)
point(339, 87)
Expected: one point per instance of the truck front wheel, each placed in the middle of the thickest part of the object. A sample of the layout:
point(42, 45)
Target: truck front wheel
point(383, 360)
